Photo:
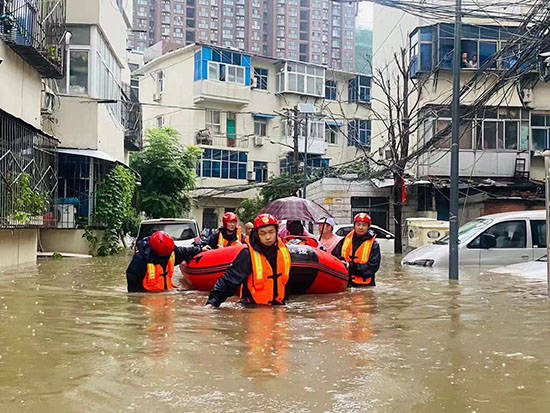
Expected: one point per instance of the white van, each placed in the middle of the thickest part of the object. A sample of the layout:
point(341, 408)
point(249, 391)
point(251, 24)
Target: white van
point(498, 239)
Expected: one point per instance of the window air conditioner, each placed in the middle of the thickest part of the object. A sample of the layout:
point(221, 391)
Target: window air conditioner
point(250, 176)
point(156, 97)
point(258, 140)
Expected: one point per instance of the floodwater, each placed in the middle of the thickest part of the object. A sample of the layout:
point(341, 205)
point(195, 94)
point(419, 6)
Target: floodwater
point(72, 340)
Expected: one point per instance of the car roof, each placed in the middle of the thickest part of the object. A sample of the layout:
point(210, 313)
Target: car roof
point(168, 221)
point(541, 214)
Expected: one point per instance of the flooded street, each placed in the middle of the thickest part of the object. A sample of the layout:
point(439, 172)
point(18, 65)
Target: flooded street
point(72, 339)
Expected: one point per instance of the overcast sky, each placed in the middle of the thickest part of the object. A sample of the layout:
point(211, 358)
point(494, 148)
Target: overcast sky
point(364, 18)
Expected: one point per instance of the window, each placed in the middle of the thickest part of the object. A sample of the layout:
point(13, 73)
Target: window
point(330, 89)
point(331, 134)
point(538, 232)
point(160, 82)
point(260, 127)
point(213, 121)
point(225, 164)
point(301, 78)
point(540, 131)
point(359, 133)
point(510, 234)
point(261, 78)
point(359, 89)
point(78, 72)
point(108, 74)
point(226, 73)
point(260, 170)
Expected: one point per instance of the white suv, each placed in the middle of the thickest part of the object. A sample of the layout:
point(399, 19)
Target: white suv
point(184, 231)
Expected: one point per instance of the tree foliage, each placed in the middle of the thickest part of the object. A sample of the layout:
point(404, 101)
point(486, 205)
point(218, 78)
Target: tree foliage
point(167, 170)
point(114, 209)
point(248, 208)
point(282, 186)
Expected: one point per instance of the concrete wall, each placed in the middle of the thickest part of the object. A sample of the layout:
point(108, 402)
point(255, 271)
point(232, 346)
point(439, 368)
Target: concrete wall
point(21, 87)
point(64, 240)
point(17, 247)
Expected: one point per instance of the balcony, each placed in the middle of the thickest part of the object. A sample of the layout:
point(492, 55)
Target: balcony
point(431, 48)
point(212, 91)
point(205, 138)
point(315, 146)
point(34, 30)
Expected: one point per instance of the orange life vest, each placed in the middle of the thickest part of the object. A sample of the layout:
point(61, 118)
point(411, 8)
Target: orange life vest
point(222, 242)
point(265, 286)
point(361, 256)
point(156, 279)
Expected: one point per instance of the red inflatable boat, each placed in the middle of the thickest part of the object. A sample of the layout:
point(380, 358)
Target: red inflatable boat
point(312, 272)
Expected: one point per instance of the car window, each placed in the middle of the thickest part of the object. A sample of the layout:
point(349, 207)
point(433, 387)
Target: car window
point(178, 231)
point(538, 232)
point(380, 233)
point(342, 232)
point(509, 234)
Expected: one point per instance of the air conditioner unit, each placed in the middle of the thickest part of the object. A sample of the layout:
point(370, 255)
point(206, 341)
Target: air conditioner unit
point(527, 95)
point(65, 215)
point(254, 83)
point(258, 140)
point(250, 176)
point(48, 99)
point(157, 96)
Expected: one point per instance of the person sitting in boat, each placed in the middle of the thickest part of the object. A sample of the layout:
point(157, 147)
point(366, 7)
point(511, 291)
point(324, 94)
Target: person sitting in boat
point(329, 240)
point(152, 266)
point(295, 234)
point(228, 235)
point(261, 269)
point(360, 251)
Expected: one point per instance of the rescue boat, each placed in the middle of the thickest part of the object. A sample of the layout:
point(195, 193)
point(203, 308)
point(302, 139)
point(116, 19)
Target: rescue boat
point(313, 271)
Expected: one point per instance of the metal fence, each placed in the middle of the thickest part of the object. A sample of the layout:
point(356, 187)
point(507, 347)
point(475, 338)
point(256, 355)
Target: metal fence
point(28, 175)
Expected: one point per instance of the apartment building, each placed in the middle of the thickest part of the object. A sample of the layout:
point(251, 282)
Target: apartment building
point(237, 108)
point(31, 52)
point(92, 112)
point(316, 31)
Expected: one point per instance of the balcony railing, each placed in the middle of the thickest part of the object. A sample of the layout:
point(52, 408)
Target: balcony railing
point(35, 30)
point(28, 175)
point(221, 141)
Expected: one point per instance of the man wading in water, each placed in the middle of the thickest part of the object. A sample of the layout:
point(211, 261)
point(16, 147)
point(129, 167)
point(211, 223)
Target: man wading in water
point(261, 269)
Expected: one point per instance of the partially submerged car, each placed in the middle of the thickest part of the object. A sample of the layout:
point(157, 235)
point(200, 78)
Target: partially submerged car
point(184, 231)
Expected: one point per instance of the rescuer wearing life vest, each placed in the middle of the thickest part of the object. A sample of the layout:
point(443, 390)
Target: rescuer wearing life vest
point(360, 251)
point(261, 269)
point(152, 266)
point(228, 235)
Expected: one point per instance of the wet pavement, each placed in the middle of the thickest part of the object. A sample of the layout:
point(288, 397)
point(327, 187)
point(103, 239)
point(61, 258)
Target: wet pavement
point(73, 340)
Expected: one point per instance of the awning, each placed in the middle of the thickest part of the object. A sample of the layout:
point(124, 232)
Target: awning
point(334, 123)
point(263, 115)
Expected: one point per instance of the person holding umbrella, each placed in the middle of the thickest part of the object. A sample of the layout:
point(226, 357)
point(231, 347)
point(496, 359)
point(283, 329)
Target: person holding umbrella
point(360, 251)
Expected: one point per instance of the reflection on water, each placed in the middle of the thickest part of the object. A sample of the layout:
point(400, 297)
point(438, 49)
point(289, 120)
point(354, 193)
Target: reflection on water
point(72, 339)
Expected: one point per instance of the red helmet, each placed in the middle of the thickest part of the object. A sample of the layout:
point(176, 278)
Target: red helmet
point(362, 217)
point(162, 243)
point(228, 217)
point(263, 220)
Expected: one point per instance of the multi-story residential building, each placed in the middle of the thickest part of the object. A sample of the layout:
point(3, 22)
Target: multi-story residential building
point(238, 109)
point(92, 112)
point(316, 31)
point(499, 146)
point(31, 51)
point(363, 51)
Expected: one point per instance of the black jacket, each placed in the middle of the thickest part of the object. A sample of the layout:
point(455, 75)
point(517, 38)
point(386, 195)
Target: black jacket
point(213, 239)
point(238, 272)
point(144, 255)
point(365, 270)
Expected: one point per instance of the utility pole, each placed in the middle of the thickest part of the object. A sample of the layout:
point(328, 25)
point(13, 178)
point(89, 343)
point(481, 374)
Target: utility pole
point(296, 134)
point(305, 156)
point(547, 179)
point(453, 202)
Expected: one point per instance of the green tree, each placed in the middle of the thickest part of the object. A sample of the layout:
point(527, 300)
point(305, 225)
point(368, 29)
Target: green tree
point(114, 209)
point(167, 170)
point(282, 186)
point(248, 208)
